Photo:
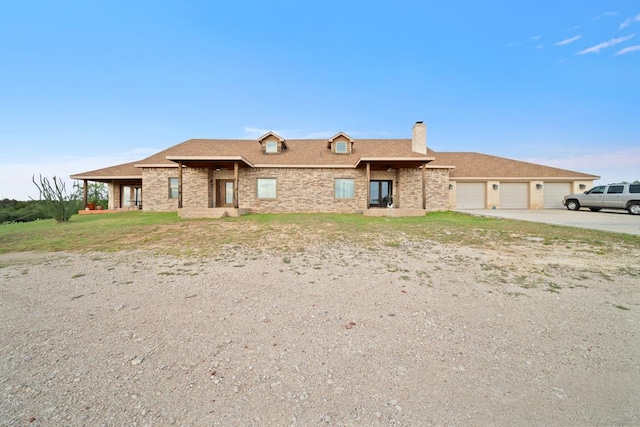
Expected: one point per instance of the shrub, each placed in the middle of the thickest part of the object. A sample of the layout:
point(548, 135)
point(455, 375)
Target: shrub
point(54, 199)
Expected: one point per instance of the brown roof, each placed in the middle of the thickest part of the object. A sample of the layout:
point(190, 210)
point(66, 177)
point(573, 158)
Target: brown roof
point(314, 152)
point(123, 171)
point(477, 165)
point(308, 152)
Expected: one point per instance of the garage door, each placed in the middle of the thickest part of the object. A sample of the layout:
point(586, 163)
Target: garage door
point(554, 192)
point(470, 195)
point(514, 195)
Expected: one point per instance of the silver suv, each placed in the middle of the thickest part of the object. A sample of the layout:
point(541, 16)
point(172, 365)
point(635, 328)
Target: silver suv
point(612, 196)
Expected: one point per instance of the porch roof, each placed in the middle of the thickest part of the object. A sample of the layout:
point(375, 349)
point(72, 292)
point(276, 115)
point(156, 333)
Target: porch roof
point(125, 171)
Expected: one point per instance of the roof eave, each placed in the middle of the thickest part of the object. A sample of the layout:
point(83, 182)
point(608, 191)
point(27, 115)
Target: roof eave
point(209, 159)
point(394, 159)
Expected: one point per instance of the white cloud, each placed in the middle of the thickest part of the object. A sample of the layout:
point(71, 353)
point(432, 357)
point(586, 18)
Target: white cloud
point(627, 50)
point(604, 45)
point(630, 21)
point(16, 177)
point(567, 41)
point(540, 46)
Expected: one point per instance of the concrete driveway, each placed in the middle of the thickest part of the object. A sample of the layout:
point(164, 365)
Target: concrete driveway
point(614, 221)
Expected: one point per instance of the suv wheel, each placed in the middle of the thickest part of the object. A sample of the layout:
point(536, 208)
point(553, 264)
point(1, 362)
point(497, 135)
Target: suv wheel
point(573, 205)
point(634, 208)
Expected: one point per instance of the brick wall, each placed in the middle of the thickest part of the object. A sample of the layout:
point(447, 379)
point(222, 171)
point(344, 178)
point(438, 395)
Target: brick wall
point(297, 190)
point(155, 189)
point(437, 189)
point(196, 188)
point(301, 190)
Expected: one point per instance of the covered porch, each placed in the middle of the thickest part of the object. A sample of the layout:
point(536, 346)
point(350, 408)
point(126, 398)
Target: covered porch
point(391, 193)
point(124, 188)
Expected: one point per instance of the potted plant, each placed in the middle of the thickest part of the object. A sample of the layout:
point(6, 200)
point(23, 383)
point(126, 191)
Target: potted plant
point(96, 195)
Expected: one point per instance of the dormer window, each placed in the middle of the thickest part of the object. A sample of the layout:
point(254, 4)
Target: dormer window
point(272, 143)
point(341, 143)
point(271, 147)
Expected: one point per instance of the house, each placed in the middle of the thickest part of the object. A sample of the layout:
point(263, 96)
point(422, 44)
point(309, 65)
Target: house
point(398, 177)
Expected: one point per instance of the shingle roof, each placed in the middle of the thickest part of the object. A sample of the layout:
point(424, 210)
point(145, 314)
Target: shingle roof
point(299, 152)
point(477, 165)
point(314, 152)
point(123, 171)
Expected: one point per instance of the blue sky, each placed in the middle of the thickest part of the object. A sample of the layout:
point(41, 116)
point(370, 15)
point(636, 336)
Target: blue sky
point(90, 84)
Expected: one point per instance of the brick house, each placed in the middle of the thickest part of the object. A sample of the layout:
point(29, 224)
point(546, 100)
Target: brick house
point(394, 177)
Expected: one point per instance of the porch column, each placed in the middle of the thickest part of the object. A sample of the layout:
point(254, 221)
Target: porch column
point(368, 184)
point(424, 186)
point(85, 193)
point(179, 184)
point(235, 185)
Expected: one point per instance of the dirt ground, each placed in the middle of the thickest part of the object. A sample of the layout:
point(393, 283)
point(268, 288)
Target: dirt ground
point(401, 335)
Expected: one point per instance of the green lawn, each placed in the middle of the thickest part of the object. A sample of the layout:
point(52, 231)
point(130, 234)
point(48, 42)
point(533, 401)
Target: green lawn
point(166, 233)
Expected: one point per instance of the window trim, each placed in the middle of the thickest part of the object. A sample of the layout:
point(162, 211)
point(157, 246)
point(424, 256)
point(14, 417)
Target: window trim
point(338, 144)
point(353, 188)
point(274, 144)
point(176, 188)
point(275, 188)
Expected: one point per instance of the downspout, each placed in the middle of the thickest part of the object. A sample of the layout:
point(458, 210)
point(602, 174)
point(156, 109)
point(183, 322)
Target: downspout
point(179, 185)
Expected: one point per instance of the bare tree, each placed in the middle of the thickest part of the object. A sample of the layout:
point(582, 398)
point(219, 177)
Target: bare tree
point(55, 200)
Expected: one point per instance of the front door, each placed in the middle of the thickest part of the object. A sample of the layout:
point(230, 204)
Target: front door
point(380, 193)
point(224, 196)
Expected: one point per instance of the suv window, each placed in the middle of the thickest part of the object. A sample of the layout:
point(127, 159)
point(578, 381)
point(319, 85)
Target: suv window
point(634, 188)
point(596, 190)
point(615, 189)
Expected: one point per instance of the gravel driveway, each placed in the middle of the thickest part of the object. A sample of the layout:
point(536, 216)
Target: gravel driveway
point(401, 335)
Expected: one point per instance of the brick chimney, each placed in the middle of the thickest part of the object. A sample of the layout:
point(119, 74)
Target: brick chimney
point(419, 138)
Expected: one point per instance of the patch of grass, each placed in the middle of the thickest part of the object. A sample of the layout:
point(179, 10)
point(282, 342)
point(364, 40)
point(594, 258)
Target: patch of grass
point(554, 287)
point(621, 307)
point(168, 234)
point(516, 294)
point(286, 260)
point(75, 276)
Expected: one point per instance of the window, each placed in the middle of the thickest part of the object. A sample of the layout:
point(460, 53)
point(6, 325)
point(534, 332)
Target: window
point(615, 189)
point(266, 188)
point(271, 147)
point(173, 188)
point(344, 188)
point(634, 188)
point(596, 190)
point(341, 147)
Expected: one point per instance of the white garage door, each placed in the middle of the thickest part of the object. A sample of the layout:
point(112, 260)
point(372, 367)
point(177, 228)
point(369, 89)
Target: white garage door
point(470, 195)
point(554, 192)
point(514, 195)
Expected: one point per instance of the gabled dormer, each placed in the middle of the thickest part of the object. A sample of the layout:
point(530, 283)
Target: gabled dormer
point(340, 143)
point(272, 143)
